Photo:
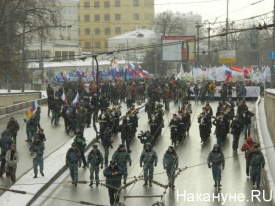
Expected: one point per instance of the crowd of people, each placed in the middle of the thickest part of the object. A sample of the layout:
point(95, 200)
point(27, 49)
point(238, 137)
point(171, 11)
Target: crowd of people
point(98, 105)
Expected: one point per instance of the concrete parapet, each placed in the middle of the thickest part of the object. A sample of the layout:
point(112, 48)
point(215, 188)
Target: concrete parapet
point(20, 106)
point(14, 98)
point(267, 175)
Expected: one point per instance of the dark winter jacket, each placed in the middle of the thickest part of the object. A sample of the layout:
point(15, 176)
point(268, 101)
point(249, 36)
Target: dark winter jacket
point(5, 142)
point(113, 180)
point(73, 156)
point(216, 157)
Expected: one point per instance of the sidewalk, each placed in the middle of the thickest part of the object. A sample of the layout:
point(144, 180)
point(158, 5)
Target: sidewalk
point(267, 147)
point(54, 165)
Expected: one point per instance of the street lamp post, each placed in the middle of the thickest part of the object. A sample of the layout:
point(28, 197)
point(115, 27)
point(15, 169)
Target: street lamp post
point(198, 43)
point(127, 51)
point(208, 29)
point(227, 24)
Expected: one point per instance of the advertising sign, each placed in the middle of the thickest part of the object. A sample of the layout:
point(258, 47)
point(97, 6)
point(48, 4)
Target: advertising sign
point(37, 76)
point(227, 56)
point(172, 48)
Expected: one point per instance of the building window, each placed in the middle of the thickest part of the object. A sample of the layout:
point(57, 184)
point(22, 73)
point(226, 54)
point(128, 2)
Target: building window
point(106, 4)
point(117, 3)
point(117, 17)
point(97, 45)
point(107, 31)
point(107, 17)
point(121, 47)
point(32, 55)
point(136, 16)
point(140, 47)
point(87, 18)
point(57, 55)
point(64, 55)
point(135, 3)
point(97, 17)
point(118, 30)
point(87, 45)
point(71, 55)
point(87, 31)
point(86, 4)
point(46, 54)
point(96, 4)
point(97, 31)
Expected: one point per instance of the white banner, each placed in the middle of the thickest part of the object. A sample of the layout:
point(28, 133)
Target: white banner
point(252, 91)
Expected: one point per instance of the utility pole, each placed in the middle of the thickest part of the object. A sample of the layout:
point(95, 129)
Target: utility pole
point(41, 65)
point(8, 64)
point(227, 24)
point(208, 29)
point(93, 63)
point(156, 69)
point(155, 57)
point(198, 44)
point(127, 51)
point(23, 55)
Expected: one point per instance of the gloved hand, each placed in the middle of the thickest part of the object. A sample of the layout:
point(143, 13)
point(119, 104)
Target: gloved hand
point(164, 166)
point(209, 166)
point(223, 167)
point(140, 164)
point(79, 165)
point(263, 165)
point(130, 163)
point(156, 164)
point(101, 167)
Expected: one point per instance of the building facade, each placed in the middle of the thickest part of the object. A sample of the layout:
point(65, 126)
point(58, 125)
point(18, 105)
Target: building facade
point(63, 43)
point(103, 19)
point(131, 46)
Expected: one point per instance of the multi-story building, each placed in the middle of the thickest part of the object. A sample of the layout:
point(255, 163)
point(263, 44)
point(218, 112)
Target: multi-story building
point(103, 19)
point(191, 21)
point(63, 42)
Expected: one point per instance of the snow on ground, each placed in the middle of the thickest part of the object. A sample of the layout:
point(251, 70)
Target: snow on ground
point(53, 163)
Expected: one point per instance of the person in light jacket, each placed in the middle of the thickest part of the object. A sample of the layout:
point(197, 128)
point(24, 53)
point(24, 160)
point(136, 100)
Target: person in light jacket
point(12, 158)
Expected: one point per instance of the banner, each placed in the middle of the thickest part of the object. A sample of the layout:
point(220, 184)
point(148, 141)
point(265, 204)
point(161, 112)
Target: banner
point(252, 91)
point(37, 76)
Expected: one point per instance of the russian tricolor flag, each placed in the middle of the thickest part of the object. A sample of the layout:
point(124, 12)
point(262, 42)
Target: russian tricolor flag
point(75, 101)
point(34, 107)
point(64, 97)
point(228, 75)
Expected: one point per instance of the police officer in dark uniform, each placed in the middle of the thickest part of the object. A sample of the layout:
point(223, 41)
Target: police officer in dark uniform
point(154, 126)
point(174, 129)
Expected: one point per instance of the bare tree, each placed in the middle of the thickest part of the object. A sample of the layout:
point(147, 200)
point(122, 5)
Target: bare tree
point(20, 20)
point(170, 24)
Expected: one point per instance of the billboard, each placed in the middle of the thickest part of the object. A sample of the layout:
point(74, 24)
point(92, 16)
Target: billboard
point(37, 76)
point(227, 56)
point(172, 48)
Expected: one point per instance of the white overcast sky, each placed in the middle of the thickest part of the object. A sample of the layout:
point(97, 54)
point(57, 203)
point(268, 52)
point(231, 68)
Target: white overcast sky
point(210, 9)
